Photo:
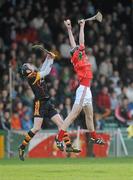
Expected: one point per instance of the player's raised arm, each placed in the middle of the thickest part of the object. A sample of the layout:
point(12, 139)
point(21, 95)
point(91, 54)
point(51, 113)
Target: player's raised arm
point(81, 33)
point(46, 67)
point(71, 37)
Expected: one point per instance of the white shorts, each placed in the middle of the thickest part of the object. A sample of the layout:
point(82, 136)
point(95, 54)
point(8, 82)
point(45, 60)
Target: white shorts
point(83, 96)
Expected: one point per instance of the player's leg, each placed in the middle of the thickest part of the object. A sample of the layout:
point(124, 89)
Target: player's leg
point(76, 109)
point(88, 109)
point(58, 121)
point(56, 118)
point(38, 119)
point(36, 127)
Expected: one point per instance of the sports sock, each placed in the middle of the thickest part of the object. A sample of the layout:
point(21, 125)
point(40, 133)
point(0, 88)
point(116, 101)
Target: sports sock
point(93, 134)
point(66, 139)
point(27, 139)
point(61, 135)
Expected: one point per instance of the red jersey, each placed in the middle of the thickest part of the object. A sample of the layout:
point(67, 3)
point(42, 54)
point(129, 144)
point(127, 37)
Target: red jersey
point(82, 66)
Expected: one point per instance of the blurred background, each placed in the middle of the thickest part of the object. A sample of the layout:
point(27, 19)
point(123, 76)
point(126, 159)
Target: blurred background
point(109, 46)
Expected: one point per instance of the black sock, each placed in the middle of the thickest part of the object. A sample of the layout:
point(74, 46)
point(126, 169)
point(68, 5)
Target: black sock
point(27, 139)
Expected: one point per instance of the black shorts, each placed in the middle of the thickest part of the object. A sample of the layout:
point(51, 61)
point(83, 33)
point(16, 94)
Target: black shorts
point(44, 109)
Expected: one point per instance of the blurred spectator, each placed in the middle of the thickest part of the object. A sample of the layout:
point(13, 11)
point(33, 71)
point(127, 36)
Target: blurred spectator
point(129, 92)
point(102, 81)
point(113, 100)
point(127, 73)
point(92, 60)
point(20, 110)
point(103, 99)
point(38, 21)
point(26, 122)
point(103, 106)
point(5, 120)
point(115, 78)
point(45, 34)
point(106, 68)
point(67, 107)
point(52, 93)
point(65, 49)
point(122, 113)
point(2, 62)
point(65, 75)
point(15, 121)
point(5, 97)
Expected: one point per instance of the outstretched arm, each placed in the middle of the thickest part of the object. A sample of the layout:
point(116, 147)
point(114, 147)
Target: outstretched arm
point(70, 34)
point(46, 68)
point(81, 33)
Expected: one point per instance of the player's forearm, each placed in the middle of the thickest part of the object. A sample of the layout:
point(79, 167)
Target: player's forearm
point(71, 38)
point(46, 67)
point(81, 36)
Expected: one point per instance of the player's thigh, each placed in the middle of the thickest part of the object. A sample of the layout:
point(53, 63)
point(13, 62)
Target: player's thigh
point(76, 109)
point(88, 110)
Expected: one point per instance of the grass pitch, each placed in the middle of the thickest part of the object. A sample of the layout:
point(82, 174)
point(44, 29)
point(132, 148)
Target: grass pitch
point(67, 169)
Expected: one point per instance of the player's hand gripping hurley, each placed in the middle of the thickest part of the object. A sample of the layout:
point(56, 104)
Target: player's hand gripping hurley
point(68, 24)
point(40, 47)
point(98, 17)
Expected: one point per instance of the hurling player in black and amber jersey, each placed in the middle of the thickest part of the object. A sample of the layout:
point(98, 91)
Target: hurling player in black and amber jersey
point(43, 108)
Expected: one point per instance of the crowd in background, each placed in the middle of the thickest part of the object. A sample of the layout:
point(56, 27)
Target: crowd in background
point(108, 46)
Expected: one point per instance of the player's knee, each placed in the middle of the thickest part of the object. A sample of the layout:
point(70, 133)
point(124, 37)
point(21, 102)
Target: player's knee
point(36, 129)
point(89, 118)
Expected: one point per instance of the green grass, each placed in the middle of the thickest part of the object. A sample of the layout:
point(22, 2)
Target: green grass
point(67, 169)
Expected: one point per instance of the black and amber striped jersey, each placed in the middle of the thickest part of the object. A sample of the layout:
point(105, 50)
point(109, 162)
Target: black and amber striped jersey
point(39, 89)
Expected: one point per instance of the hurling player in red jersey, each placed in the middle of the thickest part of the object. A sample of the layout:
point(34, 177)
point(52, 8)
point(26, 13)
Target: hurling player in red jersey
point(83, 98)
